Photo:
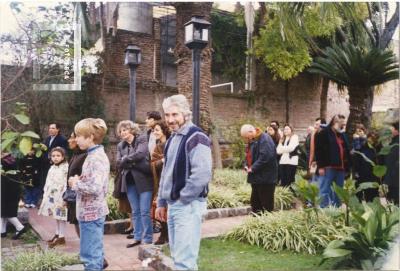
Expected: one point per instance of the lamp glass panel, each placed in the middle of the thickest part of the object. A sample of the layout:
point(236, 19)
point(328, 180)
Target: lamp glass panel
point(188, 32)
point(205, 35)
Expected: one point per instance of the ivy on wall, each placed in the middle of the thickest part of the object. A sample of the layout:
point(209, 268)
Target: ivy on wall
point(229, 45)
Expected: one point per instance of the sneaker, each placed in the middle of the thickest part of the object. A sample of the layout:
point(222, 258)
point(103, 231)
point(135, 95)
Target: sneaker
point(57, 242)
point(130, 236)
point(32, 205)
point(52, 239)
point(27, 205)
point(18, 234)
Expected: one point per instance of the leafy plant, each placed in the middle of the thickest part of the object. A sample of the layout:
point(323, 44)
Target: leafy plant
point(113, 204)
point(39, 260)
point(377, 227)
point(290, 230)
point(15, 140)
point(347, 194)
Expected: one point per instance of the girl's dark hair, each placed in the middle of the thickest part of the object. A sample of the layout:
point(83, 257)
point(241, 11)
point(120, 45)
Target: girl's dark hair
point(291, 128)
point(164, 128)
point(60, 150)
point(276, 137)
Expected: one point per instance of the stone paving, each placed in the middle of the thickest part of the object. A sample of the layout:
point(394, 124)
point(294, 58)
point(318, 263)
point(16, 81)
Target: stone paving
point(116, 253)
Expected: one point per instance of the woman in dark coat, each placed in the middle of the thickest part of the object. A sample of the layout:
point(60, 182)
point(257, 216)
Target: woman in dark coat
point(74, 168)
point(10, 196)
point(161, 133)
point(133, 159)
point(362, 170)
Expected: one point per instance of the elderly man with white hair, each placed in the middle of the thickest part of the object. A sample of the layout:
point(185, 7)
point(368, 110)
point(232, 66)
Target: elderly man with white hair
point(184, 182)
point(261, 166)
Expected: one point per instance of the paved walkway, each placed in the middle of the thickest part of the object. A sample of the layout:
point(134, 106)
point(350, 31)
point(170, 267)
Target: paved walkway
point(118, 256)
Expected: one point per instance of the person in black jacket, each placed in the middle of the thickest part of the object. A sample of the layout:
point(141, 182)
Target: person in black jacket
point(362, 170)
point(261, 166)
point(29, 167)
point(74, 168)
point(55, 139)
point(136, 181)
point(391, 178)
point(332, 154)
point(10, 195)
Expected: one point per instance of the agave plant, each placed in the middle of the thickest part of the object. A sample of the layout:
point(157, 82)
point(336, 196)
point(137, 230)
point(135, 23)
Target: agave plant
point(360, 70)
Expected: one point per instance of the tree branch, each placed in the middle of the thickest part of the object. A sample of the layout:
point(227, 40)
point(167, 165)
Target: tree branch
point(390, 28)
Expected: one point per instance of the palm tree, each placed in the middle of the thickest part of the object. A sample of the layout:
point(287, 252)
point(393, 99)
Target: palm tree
point(360, 70)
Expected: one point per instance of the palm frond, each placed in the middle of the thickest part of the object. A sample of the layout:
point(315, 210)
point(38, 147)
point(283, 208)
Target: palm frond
point(348, 65)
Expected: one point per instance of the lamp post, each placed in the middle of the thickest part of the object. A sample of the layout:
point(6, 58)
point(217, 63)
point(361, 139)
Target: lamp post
point(133, 57)
point(196, 39)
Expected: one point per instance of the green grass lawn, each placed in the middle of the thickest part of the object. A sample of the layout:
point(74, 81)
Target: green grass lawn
point(217, 254)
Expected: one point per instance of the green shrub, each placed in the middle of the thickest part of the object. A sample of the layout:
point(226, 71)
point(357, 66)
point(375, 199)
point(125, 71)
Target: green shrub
point(283, 198)
point(229, 177)
point(39, 260)
point(291, 230)
point(219, 198)
point(113, 204)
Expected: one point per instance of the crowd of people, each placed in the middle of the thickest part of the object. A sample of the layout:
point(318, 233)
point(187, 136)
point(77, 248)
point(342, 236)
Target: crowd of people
point(272, 157)
point(163, 174)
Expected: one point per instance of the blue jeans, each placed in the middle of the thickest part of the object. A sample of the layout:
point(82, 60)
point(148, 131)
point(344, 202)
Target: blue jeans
point(31, 195)
point(328, 196)
point(141, 205)
point(184, 229)
point(91, 243)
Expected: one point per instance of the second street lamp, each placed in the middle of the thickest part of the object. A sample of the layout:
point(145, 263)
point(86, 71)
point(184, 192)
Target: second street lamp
point(196, 38)
point(133, 58)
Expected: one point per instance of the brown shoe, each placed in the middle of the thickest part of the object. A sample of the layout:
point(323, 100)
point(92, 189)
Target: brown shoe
point(57, 242)
point(52, 239)
point(105, 263)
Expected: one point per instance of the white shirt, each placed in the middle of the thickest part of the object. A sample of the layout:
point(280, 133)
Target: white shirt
point(285, 148)
point(152, 143)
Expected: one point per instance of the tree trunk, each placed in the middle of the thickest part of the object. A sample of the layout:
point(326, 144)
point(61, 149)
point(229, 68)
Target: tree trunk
point(324, 97)
point(361, 100)
point(184, 12)
point(287, 101)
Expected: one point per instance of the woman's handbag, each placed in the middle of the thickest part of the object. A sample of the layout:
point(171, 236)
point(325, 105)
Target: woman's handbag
point(69, 195)
point(117, 185)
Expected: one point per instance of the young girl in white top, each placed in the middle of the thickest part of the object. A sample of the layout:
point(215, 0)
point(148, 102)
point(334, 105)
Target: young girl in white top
point(53, 204)
point(287, 147)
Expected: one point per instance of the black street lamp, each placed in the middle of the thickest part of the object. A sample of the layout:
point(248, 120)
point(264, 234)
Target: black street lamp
point(196, 39)
point(133, 57)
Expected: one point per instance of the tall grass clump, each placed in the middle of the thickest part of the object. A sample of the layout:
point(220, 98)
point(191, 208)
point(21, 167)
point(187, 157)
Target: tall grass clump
point(291, 230)
point(39, 260)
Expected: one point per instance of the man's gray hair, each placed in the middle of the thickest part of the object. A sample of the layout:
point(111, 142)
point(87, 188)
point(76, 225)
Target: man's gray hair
point(181, 103)
point(246, 128)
